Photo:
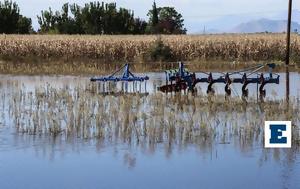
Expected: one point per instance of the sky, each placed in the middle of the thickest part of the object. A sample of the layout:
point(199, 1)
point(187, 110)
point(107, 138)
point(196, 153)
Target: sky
point(193, 11)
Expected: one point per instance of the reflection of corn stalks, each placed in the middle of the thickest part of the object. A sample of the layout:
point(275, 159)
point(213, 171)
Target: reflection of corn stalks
point(178, 119)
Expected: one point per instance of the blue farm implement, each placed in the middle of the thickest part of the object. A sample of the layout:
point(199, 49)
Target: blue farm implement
point(123, 75)
point(181, 79)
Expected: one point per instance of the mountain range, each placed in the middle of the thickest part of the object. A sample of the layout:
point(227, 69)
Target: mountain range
point(264, 25)
point(249, 23)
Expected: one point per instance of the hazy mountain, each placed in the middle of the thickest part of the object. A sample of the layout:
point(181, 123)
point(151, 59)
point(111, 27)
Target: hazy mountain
point(263, 25)
point(228, 22)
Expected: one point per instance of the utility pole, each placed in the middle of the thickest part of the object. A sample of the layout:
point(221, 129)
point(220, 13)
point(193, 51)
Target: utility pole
point(288, 39)
point(287, 58)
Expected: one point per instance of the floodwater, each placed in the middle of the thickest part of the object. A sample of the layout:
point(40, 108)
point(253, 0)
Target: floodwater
point(59, 132)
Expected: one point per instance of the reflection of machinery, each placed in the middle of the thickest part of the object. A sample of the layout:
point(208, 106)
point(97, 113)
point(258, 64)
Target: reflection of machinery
point(181, 79)
point(123, 75)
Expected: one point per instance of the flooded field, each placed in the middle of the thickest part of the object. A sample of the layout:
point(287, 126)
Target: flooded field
point(60, 132)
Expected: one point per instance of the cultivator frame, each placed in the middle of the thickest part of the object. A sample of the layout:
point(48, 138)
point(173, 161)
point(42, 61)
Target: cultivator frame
point(125, 76)
point(181, 79)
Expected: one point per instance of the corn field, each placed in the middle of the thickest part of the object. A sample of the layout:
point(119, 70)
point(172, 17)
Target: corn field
point(229, 47)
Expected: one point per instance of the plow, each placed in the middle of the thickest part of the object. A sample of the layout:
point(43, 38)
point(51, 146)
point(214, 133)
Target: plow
point(181, 79)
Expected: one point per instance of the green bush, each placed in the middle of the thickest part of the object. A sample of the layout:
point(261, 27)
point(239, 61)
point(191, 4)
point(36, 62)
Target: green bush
point(160, 51)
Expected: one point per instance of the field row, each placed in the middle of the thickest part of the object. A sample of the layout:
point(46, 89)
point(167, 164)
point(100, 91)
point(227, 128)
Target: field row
point(254, 47)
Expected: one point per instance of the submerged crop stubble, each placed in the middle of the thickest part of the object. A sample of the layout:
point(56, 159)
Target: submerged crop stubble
point(148, 120)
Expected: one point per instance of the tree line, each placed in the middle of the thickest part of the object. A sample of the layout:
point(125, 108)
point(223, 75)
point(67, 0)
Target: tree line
point(92, 18)
point(11, 21)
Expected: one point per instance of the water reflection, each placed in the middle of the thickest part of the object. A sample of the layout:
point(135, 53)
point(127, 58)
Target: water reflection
point(71, 113)
point(67, 117)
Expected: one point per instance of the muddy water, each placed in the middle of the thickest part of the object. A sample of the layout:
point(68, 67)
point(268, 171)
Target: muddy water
point(58, 132)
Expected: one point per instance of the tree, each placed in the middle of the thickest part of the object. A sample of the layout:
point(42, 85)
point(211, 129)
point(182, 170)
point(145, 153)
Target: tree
point(11, 21)
point(24, 25)
point(47, 21)
point(65, 24)
point(93, 18)
point(169, 21)
point(139, 26)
